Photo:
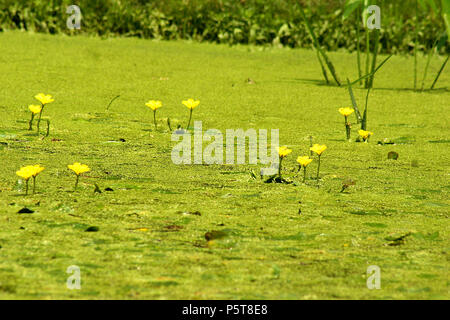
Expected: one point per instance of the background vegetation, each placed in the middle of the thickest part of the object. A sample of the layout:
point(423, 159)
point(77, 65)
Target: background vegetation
point(258, 22)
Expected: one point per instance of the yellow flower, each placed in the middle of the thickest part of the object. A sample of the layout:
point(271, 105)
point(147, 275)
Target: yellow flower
point(304, 161)
point(191, 103)
point(44, 99)
point(365, 134)
point(346, 111)
point(26, 172)
point(35, 108)
point(284, 151)
point(319, 149)
point(78, 168)
point(37, 169)
point(154, 104)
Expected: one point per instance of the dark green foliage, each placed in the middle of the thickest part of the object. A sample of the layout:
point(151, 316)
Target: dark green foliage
point(257, 22)
point(393, 155)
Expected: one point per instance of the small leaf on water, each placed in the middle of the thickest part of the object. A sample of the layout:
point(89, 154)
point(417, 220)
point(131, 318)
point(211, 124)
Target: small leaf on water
point(214, 234)
point(277, 179)
point(97, 189)
point(393, 155)
point(195, 213)
point(173, 227)
point(375, 225)
point(92, 229)
point(428, 236)
point(25, 210)
point(347, 183)
point(405, 140)
point(276, 271)
point(385, 141)
point(397, 240)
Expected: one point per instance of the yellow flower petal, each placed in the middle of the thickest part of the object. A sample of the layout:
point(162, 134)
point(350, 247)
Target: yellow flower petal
point(365, 134)
point(35, 108)
point(284, 151)
point(37, 169)
point(191, 103)
point(346, 111)
point(304, 161)
point(154, 104)
point(44, 99)
point(26, 172)
point(317, 148)
point(78, 168)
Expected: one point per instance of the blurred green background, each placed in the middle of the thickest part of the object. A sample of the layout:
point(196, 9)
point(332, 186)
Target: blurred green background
point(259, 22)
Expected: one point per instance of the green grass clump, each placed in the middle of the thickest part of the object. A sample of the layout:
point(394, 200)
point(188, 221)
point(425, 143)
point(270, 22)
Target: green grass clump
point(146, 237)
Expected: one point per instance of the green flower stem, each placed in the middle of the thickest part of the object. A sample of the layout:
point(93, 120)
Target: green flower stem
point(48, 128)
point(279, 167)
point(34, 185)
point(31, 122)
point(76, 182)
point(190, 117)
point(347, 128)
point(26, 187)
point(304, 174)
point(154, 118)
point(39, 120)
point(318, 169)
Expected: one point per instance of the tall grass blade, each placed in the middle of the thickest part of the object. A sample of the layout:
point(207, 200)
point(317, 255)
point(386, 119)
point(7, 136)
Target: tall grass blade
point(350, 6)
point(355, 106)
point(365, 17)
point(439, 73)
point(366, 81)
point(446, 15)
point(374, 57)
point(374, 71)
point(324, 71)
point(430, 55)
point(318, 48)
point(416, 35)
point(364, 120)
point(358, 46)
point(112, 100)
